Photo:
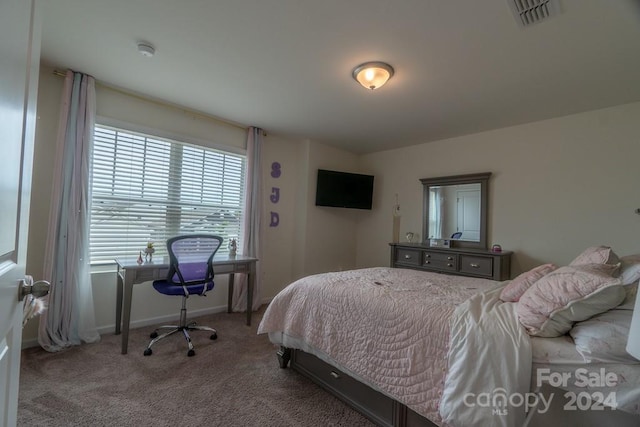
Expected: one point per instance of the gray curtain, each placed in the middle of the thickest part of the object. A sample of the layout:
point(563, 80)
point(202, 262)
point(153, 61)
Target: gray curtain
point(70, 319)
point(252, 221)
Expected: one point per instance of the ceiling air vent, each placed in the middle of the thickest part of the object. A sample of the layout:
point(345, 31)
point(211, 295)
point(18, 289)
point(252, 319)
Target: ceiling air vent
point(528, 12)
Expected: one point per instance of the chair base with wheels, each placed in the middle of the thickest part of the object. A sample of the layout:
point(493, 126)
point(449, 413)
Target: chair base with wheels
point(190, 273)
point(184, 327)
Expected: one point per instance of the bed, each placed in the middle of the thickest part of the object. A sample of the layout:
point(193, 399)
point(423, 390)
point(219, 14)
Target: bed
point(414, 348)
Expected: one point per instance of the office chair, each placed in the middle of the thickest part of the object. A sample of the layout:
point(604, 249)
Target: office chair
point(456, 235)
point(190, 273)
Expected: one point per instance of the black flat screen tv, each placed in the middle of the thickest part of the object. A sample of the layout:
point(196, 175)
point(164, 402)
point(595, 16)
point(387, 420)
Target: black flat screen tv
point(344, 190)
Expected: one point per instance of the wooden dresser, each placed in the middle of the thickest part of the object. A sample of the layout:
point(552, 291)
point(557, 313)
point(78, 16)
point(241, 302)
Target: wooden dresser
point(460, 261)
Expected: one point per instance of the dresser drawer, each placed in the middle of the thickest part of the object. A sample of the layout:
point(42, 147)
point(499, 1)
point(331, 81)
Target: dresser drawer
point(476, 265)
point(408, 256)
point(439, 257)
point(374, 404)
point(440, 261)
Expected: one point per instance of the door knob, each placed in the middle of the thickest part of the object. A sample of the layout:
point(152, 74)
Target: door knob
point(37, 289)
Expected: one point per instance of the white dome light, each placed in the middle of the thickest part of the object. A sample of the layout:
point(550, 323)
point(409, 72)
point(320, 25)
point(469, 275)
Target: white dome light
point(373, 75)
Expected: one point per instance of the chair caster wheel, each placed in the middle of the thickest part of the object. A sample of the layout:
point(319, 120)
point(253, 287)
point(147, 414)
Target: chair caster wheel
point(153, 335)
point(213, 336)
point(148, 352)
point(191, 353)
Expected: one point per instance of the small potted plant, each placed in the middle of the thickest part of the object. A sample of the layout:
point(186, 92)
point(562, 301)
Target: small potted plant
point(148, 252)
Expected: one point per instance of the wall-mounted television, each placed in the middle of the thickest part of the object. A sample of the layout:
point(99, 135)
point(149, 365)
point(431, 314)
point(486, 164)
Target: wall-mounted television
point(344, 190)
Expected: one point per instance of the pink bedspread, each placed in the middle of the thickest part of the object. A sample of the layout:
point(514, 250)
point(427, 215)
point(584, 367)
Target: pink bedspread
point(390, 327)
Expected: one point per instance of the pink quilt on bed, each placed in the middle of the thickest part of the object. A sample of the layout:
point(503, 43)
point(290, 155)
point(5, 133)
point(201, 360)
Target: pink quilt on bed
point(388, 326)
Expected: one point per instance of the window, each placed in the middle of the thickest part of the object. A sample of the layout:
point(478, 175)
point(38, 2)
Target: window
point(147, 189)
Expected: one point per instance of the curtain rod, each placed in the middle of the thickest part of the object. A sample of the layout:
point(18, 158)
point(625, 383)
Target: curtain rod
point(163, 104)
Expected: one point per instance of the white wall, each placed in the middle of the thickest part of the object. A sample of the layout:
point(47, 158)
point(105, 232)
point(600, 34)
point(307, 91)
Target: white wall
point(308, 239)
point(328, 234)
point(278, 255)
point(558, 186)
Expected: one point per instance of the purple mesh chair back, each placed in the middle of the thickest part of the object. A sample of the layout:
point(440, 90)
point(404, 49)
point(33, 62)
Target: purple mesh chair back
point(191, 257)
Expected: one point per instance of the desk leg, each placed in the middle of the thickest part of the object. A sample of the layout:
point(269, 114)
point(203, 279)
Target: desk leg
point(119, 286)
point(230, 297)
point(250, 283)
point(126, 314)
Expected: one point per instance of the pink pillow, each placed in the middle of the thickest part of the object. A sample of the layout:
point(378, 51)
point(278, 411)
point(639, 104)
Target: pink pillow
point(596, 255)
point(518, 286)
point(567, 295)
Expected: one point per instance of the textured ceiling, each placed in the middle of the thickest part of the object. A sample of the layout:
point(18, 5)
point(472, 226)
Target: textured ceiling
point(461, 66)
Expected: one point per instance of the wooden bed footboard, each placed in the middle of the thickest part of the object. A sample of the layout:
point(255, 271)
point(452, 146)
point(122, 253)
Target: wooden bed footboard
point(379, 408)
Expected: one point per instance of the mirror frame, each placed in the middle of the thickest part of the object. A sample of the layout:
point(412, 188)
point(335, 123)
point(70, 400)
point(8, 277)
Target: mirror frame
point(483, 179)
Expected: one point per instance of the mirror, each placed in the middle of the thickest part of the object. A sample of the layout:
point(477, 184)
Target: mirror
point(455, 209)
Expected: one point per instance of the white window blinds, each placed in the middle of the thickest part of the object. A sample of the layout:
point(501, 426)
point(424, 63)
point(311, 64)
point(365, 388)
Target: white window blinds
point(147, 189)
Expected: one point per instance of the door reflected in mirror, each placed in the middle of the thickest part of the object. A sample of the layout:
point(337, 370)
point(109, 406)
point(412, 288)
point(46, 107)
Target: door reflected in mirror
point(454, 212)
point(455, 209)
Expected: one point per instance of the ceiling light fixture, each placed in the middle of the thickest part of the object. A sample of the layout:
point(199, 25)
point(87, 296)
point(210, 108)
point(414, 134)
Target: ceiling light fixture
point(146, 49)
point(373, 75)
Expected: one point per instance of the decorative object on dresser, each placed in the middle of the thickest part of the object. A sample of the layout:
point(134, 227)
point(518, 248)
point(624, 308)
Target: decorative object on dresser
point(395, 237)
point(459, 261)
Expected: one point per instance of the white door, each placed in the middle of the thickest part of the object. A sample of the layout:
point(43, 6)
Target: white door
point(19, 66)
point(469, 214)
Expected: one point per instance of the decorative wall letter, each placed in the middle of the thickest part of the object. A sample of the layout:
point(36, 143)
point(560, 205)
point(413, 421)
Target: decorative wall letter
point(275, 170)
point(275, 195)
point(275, 219)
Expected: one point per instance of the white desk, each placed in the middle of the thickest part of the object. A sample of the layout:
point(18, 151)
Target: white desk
point(131, 273)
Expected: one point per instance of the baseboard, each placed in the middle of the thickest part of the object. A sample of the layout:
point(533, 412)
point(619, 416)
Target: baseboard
point(109, 329)
point(169, 318)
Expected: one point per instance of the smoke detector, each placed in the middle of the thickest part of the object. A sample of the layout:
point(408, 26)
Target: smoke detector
point(146, 49)
point(529, 12)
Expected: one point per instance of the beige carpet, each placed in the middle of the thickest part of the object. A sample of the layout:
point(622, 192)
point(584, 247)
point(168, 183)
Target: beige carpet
point(233, 381)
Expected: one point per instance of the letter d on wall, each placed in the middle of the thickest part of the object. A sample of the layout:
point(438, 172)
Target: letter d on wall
point(275, 219)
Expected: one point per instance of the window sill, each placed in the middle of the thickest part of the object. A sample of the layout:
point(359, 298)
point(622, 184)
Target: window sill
point(103, 268)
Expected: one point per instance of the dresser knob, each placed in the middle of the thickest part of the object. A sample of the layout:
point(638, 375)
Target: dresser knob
point(427, 262)
point(427, 256)
point(449, 265)
point(474, 265)
point(450, 258)
point(407, 257)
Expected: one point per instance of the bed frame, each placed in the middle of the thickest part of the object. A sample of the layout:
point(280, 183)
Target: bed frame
point(385, 411)
point(379, 408)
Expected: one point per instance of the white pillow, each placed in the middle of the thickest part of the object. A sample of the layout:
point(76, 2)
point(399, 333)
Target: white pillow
point(603, 338)
point(567, 295)
point(630, 269)
point(629, 301)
